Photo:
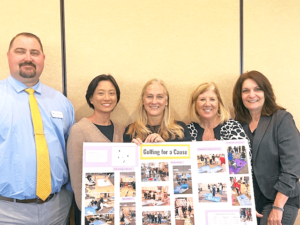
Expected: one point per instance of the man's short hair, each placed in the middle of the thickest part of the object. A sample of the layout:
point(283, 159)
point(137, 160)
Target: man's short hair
point(26, 34)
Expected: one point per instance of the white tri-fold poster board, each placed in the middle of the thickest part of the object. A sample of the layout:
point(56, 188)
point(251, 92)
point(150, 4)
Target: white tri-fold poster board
point(168, 183)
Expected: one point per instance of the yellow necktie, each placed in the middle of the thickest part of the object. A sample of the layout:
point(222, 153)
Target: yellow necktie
point(43, 178)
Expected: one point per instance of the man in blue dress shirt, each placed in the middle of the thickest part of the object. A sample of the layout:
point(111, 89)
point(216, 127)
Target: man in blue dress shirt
point(18, 174)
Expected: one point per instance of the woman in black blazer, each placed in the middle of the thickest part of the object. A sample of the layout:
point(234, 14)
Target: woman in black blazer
point(275, 142)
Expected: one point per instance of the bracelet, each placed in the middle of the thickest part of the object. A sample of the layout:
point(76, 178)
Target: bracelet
point(278, 208)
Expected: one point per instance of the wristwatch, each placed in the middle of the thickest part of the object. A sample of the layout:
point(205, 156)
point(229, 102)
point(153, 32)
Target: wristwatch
point(277, 208)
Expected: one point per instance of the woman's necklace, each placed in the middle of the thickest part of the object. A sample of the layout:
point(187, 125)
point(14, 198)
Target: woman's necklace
point(154, 129)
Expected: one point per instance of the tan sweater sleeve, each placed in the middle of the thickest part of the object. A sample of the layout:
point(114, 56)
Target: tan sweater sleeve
point(74, 151)
point(118, 133)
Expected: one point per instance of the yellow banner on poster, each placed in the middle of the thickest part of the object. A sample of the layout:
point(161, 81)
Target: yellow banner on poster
point(165, 151)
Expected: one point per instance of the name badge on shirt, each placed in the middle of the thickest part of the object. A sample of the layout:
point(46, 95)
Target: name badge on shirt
point(57, 114)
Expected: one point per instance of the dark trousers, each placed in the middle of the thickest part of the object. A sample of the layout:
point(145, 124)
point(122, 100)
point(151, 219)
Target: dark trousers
point(77, 214)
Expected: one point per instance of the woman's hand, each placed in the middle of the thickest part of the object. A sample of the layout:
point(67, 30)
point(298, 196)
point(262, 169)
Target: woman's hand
point(152, 138)
point(275, 217)
point(259, 215)
point(137, 141)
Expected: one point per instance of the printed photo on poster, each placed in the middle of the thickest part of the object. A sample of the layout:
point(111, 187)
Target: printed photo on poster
point(240, 191)
point(127, 213)
point(154, 171)
point(99, 219)
point(237, 160)
point(156, 217)
point(99, 193)
point(127, 184)
point(246, 214)
point(212, 192)
point(99, 182)
point(211, 163)
point(155, 196)
point(184, 211)
point(182, 179)
point(99, 203)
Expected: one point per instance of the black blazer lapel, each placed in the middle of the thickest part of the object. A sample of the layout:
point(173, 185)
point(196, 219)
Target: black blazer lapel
point(259, 133)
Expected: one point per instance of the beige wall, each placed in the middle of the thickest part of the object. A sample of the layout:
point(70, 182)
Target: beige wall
point(41, 18)
point(184, 43)
point(272, 46)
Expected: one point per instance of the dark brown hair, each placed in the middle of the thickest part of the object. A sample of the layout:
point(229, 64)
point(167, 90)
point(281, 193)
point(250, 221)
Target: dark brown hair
point(26, 34)
point(241, 112)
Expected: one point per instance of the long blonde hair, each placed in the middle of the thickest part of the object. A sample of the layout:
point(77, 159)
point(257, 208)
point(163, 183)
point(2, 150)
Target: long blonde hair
point(223, 112)
point(168, 127)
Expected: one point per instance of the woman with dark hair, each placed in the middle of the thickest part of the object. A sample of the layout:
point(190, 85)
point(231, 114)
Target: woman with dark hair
point(275, 145)
point(102, 96)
